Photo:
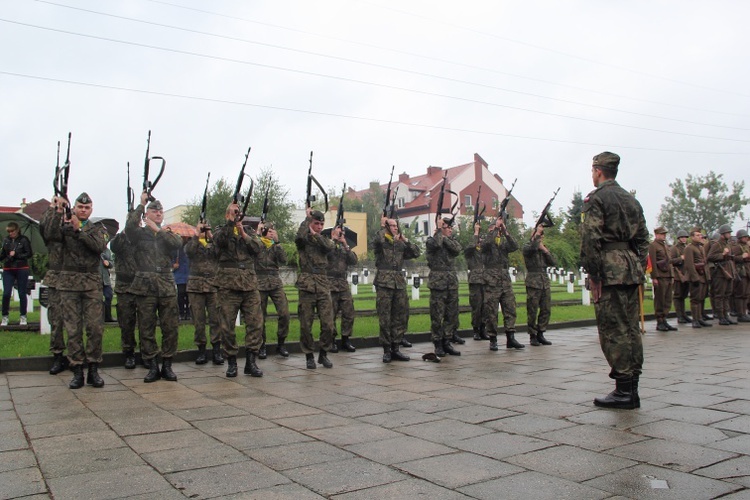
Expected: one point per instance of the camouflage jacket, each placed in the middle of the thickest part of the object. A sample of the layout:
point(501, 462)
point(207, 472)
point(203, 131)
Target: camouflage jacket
point(694, 268)
point(389, 260)
point(313, 259)
point(339, 261)
point(495, 251)
point(475, 262)
point(125, 263)
point(271, 257)
point(82, 249)
point(203, 266)
point(236, 258)
point(441, 259)
point(154, 256)
point(723, 264)
point(614, 243)
point(50, 225)
point(676, 252)
point(537, 261)
point(661, 266)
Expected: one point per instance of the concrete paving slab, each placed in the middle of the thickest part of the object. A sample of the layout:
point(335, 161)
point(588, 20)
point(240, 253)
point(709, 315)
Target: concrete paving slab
point(332, 478)
point(225, 480)
point(592, 437)
point(21, 482)
point(17, 459)
point(70, 464)
point(181, 459)
point(674, 455)
point(274, 436)
point(115, 483)
point(680, 431)
point(408, 489)
point(532, 484)
point(293, 455)
point(528, 425)
point(500, 445)
point(399, 449)
point(458, 469)
point(280, 492)
point(569, 462)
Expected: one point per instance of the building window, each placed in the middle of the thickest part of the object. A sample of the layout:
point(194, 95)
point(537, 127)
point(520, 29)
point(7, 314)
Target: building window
point(467, 201)
point(426, 227)
point(494, 203)
point(401, 202)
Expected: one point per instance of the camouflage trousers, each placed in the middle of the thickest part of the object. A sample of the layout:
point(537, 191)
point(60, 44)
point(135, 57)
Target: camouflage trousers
point(618, 320)
point(281, 303)
point(476, 301)
point(443, 314)
point(501, 293)
point(165, 308)
point(205, 305)
point(538, 309)
point(393, 314)
point(231, 303)
point(309, 302)
point(79, 310)
point(343, 304)
point(127, 318)
point(55, 318)
point(663, 298)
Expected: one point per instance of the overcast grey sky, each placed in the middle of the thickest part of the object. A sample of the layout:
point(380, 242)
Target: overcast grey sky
point(535, 87)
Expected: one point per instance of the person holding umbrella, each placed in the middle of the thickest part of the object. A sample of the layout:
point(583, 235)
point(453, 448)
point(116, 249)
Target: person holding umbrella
point(15, 254)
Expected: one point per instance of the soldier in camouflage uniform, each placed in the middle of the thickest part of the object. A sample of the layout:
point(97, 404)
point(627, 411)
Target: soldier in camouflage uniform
point(498, 244)
point(80, 287)
point(720, 254)
point(474, 262)
point(154, 286)
point(127, 316)
point(538, 292)
point(695, 273)
point(681, 284)
point(741, 292)
point(339, 260)
point(313, 286)
point(50, 226)
point(202, 293)
point(391, 249)
point(442, 250)
point(267, 263)
point(661, 277)
point(237, 246)
point(614, 250)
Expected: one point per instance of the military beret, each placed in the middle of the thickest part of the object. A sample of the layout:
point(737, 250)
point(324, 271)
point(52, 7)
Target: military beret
point(155, 205)
point(607, 160)
point(318, 215)
point(84, 198)
point(661, 230)
point(682, 233)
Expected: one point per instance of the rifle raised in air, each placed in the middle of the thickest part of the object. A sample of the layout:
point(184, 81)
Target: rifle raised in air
point(478, 213)
point(441, 199)
point(544, 219)
point(149, 185)
point(204, 202)
point(238, 197)
point(310, 179)
point(62, 174)
point(502, 211)
point(129, 193)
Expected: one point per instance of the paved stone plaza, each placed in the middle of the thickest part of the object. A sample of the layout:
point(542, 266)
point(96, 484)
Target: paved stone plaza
point(510, 424)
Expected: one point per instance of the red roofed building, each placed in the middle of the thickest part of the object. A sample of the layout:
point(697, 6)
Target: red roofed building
point(416, 197)
point(33, 210)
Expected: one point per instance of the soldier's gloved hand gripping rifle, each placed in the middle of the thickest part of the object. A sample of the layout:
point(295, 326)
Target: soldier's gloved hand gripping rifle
point(237, 197)
point(149, 185)
point(310, 179)
point(60, 183)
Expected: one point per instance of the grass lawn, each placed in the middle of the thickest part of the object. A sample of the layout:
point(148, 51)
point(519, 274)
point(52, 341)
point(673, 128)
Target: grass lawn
point(28, 343)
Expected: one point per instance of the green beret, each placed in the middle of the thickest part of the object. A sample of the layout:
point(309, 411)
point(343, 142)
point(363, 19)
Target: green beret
point(84, 199)
point(607, 160)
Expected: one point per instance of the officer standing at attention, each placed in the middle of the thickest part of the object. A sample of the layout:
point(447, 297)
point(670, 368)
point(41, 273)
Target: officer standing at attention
point(720, 255)
point(127, 316)
point(475, 264)
point(538, 292)
point(339, 261)
point(154, 286)
point(50, 225)
point(661, 277)
point(442, 250)
point(614, 250)
point(681, 283)
point(271, 257)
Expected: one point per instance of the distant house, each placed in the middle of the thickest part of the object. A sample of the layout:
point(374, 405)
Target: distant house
point(416, 196)
point(34, 209)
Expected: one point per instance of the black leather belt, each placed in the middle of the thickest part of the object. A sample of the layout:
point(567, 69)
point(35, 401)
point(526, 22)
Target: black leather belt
point(616, 245)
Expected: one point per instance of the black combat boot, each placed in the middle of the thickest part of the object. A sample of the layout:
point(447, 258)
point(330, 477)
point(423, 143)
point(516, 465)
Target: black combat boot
point(404, 342)
point(511, 342)
point(396, 354)
point(323, 359)
point(251, 368)
point(346, 344)
point(477, 336)
point(59, 363)
point(533, 340)
point(93, 378)
point(77, 381)
point(542, 340)
point(705, 324)
point(231, 366)
point(217, 354)
point(202, 359)
point(334, 346)
point(387, 353)
point(281, 349)
point(493, 342)
point(622, 397)
point(153, 370)
point(670, 328)
point(483, 332)
point(129, 360)
point(262, 352)
point(439, 351)
point(457, 340)
point(660, 327)
point(310, 360)
point(166, 370)
point(448, 348)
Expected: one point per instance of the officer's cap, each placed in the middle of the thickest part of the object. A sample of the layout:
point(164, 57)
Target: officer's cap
point(318, 215)
point(607, 160)
point(661, 230)
point(84, 199)
point(155, 205)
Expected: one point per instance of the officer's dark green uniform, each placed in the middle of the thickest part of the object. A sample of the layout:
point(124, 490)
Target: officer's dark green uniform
point(391, 300)
point(155, 291)
point(498, 289)
point(661, 276)
point(442, 250)
point(202, 293)
point(681, 289)
point(695, 273)
point(722, 275)
point(538, 291)
point(50, 226)
point(267, 263)
point(339, 260)
point(614, 250)
point(80, 287)
point(127, 315)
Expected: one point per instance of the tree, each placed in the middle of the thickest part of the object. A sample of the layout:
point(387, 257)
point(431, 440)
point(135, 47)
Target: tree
point(703, 201)
point(573, 216)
